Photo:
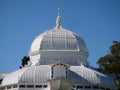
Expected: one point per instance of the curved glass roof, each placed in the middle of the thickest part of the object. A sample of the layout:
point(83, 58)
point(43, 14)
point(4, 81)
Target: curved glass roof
point(58, 39)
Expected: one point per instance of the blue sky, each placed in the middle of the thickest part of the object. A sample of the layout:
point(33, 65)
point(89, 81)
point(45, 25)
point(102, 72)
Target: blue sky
point(96, 21)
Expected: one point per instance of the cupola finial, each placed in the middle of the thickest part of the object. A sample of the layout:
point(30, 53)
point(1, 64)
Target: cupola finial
point(58, 20)
point(58, 11)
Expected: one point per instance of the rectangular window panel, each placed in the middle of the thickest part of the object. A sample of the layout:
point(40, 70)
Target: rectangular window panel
point(22, 86)
point(87, 87)
point(44, 86)
point(95, 87)
point(14, 86)
point(38, 86)
point(30, 86)
point(79, 87)
point(9, 87)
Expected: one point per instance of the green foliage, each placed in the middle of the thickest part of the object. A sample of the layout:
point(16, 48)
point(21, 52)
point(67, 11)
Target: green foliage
point(110, 63)
point(25, 60)
point(1, 81)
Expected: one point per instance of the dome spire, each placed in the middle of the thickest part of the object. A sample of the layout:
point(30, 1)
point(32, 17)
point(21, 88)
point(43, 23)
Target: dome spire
point(58, 20)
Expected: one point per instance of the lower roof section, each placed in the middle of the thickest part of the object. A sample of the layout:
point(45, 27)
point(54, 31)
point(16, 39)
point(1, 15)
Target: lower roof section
point(76, 74)
point(86, 76)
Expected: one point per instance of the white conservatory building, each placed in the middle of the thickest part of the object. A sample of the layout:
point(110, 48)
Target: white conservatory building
point(58, 61)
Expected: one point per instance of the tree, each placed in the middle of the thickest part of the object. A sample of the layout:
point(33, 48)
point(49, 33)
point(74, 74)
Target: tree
point(1, 81)
point(25, 61)
point(110, 63)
